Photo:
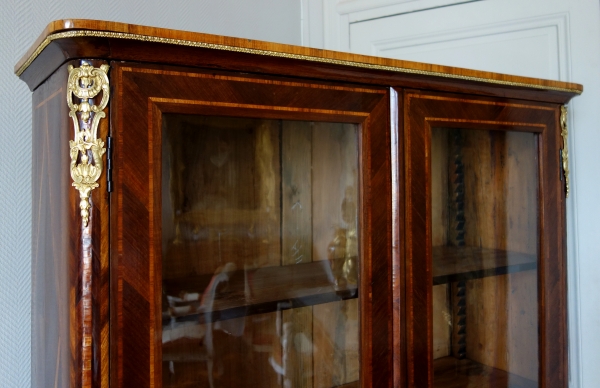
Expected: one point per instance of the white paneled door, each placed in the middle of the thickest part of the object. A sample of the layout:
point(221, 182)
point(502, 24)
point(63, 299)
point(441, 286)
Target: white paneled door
point(556, 39)
point(468, 35)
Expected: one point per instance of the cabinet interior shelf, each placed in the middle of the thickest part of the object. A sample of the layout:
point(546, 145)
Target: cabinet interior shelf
point(257, 291)
point(354, 384)
point(452, 264)
point(450, 372)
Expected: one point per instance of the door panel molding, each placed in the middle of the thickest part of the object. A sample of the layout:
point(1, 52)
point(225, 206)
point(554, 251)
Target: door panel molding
point(338, 15)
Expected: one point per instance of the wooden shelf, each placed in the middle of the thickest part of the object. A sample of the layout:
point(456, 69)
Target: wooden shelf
point(257, 291)
point(450, 372)
point(452, 264)
point(354, 384)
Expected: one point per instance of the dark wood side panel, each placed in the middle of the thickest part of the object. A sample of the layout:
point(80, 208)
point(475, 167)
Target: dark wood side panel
point(424, 110)
point(141, 96)
point(58, 350)
point(51, 189)
point(553, 267)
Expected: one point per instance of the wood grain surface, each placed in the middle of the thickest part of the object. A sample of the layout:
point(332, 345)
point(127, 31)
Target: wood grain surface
point(452, 264)
point(491, 229)
point(425, 111)
point(228, 209)
point(145, 96)
point(70, 262)
point(52, 357)
point(453, 373)
point(297, 246)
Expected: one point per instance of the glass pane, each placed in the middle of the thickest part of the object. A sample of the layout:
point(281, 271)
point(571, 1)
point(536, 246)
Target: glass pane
point(260, 253)
point(485, 249)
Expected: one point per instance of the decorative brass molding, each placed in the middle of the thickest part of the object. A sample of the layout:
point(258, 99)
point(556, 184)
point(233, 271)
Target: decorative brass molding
point(270, 53)
point(565, 151)
point(85, 83)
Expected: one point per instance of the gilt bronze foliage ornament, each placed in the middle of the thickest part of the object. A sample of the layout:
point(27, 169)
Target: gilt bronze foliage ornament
point(565, 152)
point(84, 84)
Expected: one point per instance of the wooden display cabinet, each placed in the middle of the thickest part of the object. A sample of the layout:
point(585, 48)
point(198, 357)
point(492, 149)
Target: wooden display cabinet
point(243, 213)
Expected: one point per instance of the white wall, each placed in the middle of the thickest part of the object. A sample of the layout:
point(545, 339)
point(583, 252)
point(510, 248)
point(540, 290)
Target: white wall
point(21, 21)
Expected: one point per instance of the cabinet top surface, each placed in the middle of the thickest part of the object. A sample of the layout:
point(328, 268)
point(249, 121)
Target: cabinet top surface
point(69, 29)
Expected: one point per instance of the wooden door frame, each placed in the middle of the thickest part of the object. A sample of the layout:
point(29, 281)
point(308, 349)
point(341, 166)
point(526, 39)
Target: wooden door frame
point(141, 95)
point(552, 316)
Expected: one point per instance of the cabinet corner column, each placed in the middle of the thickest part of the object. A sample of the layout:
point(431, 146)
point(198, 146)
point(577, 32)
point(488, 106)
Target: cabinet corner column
point(88, 92)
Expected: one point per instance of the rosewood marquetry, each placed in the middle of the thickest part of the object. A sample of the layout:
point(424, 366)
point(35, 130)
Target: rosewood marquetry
point(282, 216)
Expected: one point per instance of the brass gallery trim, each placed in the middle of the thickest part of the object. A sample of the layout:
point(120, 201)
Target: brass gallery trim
point(214, 46)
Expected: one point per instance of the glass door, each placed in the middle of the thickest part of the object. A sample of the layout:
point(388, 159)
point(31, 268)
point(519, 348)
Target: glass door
point(485, 241)
point(260, 255)
point(484, 258)
point(251, 237)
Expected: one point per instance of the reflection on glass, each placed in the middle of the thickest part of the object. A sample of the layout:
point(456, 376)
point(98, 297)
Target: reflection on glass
point(485, 248)
point(260, 253)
